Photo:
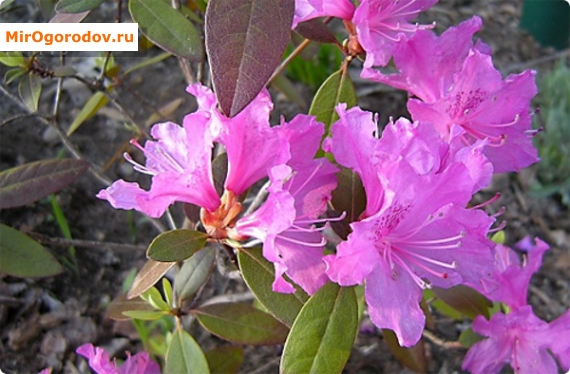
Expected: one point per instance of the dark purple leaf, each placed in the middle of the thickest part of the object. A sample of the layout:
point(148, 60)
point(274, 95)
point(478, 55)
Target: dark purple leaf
point(245, 40)
point(316, 30)
point(31, 182)
point(465, 300)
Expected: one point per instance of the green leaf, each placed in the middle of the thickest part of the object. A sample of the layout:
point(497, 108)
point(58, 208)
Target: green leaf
point(499, 237)
point(442, 307)
point(21, 256)
point(338, 88)
point(167, 289)
point(154, 298)
point(12, 59)
point(31, 182)
point(323, 334)
point(259, 275)
point(241, 323)
point(245, 40)
point(76, 6)
point(47, 8)
point(30, 88)
point(465, 300)
point(225, 360)
point(13, 74)
point(412, 357)
point(193, 274)
point(145, 315)
point(176, 245)
point(97, 101)
point(64, 71)
point(121, 304)
point(148, 62)
point(147, 277)
point(167, 28)
point(348, 197)
point(184, 355)
point(468, 337)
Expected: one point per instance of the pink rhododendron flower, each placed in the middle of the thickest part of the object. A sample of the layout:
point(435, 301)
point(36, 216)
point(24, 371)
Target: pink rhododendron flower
point(455, 83)
point(427, 63)
point(180, 165)
point(486, 107)
point(378, 24)
point(100, 363)
point(509, 284)
point(522, 340)
point(298, 195)
point(415, 231)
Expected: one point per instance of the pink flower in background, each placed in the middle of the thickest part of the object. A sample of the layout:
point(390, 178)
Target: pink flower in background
point(455, 83)
point(416, 231)
point(427, 63)
point(486, 107)
point(378, 24)
point(100, 363)
point(511, 279)
point(522, 340)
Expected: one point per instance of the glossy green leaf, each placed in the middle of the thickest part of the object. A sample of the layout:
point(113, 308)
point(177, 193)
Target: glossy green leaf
point(465, 300)
point(468, 337)
point(76, 6)
point(154, 298)
point(167, 28)
point(184, 355)
point(176, 245)
point(97, 101)
point(167, 290)
point(12, 58)
point(411, 357)
point(241, 323)
point(21, 256)
point(259, 275)
point(121, 304)
point(338, 88)
point(13, 74)
point(145, 315)
point(225, 360)
point(323, 334)
point(147, 277)
point(31, 182)
point(245, 40)
point(193, 274)
point(348, 197)
point(30, 88)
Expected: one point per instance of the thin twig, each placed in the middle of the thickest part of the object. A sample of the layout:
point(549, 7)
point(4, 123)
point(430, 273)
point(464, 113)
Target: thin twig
point(288, 60)
point(440, 342)
point(18, 117)
point(63, 242)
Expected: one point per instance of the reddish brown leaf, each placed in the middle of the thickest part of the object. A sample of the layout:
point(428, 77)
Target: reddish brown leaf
point(245, 40)
point(412, 357)
point(31, 182)
point(316, 30)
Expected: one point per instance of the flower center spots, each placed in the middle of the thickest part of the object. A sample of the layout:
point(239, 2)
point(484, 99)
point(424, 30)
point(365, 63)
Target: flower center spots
point(404, 252)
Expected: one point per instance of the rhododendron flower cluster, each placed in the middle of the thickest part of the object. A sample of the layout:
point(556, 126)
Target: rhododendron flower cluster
point(179, 162)
point(418, 229)
point(518, 337)
point(99, 361)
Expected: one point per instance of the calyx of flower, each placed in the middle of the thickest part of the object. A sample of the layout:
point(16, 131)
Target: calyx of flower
point(220, 223)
